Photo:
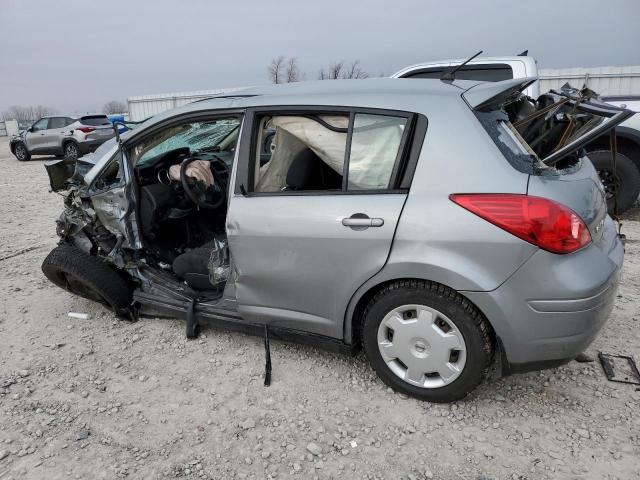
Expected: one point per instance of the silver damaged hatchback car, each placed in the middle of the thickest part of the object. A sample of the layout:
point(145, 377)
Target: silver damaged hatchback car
point(431, 223)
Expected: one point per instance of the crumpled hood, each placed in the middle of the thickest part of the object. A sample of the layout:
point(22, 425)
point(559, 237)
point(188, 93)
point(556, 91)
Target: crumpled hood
point(66, 172)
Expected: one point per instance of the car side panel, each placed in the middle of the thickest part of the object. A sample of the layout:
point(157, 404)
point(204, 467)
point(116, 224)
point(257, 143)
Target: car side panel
point(297, 265)
point(436, 239)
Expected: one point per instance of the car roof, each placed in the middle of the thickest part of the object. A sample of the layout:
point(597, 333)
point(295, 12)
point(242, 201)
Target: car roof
point(382, 93)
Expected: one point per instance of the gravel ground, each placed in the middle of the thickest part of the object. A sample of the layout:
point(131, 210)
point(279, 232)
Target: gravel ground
point(102, 398)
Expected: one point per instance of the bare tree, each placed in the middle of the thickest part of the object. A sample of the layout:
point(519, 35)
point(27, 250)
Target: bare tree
point(355, 71)
point(38, 111)
point(332, 73)
point(27, 114)
point(293, 73)
point(114, 106)
point(275, 70)
point(338, 70)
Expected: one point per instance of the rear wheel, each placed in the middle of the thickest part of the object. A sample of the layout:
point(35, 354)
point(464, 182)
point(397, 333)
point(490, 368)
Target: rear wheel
point(71, 150)
point(21, 152)
point(426, 340)
point(627, 178)
point(87, 276)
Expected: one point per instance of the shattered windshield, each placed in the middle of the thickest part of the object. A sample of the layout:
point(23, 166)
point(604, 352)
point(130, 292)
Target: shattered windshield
point(197, 136)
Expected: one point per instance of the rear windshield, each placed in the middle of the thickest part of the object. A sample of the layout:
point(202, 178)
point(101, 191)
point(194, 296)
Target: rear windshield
point(486, 73)
point(95, 120)
point(529, 132)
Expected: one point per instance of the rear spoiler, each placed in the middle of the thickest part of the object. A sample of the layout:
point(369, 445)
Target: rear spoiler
point(492, 95)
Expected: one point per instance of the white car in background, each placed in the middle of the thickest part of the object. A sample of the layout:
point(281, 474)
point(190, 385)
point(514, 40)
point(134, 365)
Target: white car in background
point(494, 69)
point(62, 136)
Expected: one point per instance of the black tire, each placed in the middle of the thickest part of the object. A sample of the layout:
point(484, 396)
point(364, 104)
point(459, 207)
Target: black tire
point(627, 176)
point(21, 152)
point(467, 318)
point(71, 151)
point(88, 277)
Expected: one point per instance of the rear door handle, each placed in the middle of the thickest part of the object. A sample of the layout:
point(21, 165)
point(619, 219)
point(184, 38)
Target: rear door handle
point(361, 221)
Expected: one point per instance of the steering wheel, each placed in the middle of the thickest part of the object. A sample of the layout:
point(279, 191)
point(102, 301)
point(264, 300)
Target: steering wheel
point(191, 189)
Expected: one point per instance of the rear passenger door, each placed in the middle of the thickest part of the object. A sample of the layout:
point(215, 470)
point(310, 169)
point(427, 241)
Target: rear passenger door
point(313, 215)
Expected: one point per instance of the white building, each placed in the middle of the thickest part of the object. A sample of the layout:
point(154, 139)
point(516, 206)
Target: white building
point(604, 80)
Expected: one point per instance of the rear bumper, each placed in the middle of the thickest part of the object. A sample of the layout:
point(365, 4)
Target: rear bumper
point(553, 307)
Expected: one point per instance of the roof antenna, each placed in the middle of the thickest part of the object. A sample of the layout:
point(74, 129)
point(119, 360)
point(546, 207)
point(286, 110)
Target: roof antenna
point(523, 54)
point(449, 75)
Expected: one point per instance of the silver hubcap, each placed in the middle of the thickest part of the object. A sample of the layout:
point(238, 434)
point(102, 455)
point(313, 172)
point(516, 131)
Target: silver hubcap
point(422, 346)
point(20, 152)
point(71, 150)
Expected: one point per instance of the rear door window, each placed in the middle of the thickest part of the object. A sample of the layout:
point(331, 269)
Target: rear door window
point(57, 122)
point(328, 151)
point(305, 153)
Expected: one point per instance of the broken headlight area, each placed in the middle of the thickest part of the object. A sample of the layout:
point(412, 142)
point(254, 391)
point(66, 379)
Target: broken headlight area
point(65, 173)
point(79, 225)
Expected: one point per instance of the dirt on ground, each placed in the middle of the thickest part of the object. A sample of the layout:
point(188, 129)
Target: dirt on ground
point(104, 398)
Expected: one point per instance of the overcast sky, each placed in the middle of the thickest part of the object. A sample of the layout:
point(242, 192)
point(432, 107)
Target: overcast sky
point(76, 55)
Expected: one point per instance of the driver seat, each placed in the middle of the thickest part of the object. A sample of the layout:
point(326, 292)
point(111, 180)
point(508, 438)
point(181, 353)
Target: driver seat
point(192, 266)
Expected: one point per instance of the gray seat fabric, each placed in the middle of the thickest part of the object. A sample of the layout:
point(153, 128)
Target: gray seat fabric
point(192, 267)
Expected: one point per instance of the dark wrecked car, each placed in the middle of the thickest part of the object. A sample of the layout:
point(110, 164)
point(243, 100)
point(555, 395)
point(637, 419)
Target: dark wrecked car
point(407, 217)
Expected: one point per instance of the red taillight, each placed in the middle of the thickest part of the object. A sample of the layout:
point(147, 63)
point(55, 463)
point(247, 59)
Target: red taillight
point(540, 221)
point(86, 129)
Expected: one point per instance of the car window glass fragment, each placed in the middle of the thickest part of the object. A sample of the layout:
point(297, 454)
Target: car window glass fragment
point(509, 136)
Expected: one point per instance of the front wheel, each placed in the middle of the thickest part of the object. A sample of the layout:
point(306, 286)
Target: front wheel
point(426, 340)
point(87, 276)
point(21, 152)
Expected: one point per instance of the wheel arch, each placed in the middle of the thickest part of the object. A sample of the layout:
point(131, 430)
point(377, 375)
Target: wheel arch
point(13, 145)
point(66, 141)
point(354, 316)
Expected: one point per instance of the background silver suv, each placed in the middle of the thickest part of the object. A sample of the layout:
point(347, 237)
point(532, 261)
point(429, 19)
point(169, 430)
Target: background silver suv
point(62, 136)
point(406, 216)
